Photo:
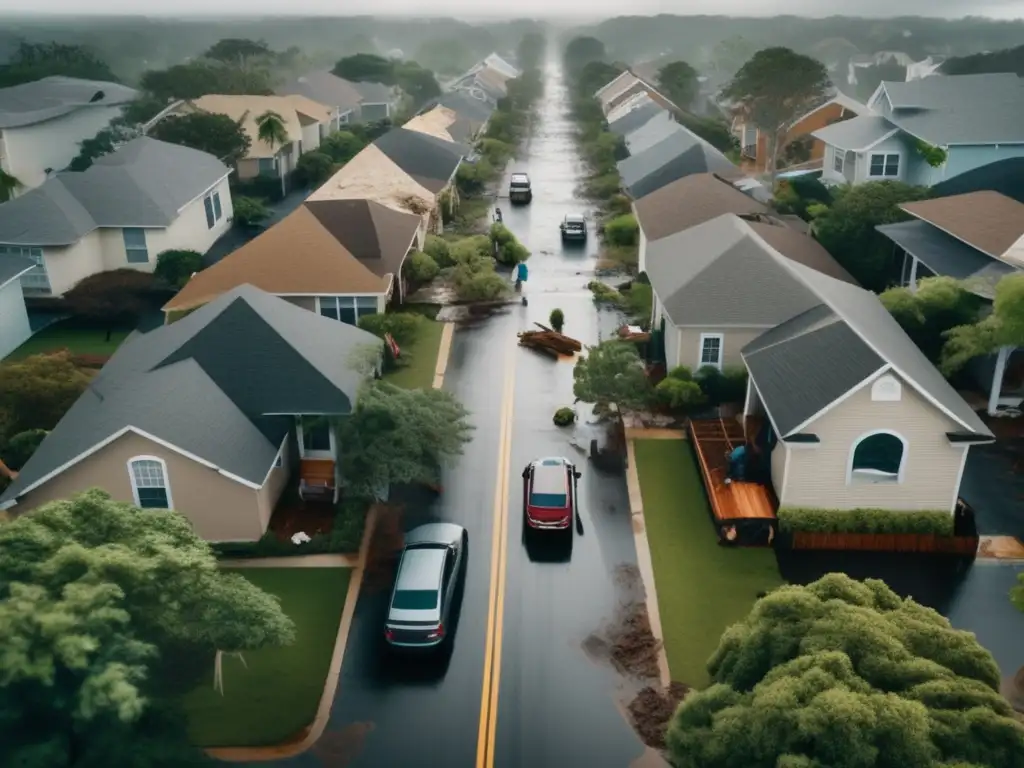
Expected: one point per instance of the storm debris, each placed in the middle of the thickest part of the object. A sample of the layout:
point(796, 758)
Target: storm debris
point(549, 341)
point(634, 649)
point(652, 709)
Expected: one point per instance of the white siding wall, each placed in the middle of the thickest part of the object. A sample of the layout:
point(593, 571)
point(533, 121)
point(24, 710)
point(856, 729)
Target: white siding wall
point(310, 137)
point(641, 249)
point(14, 328)
point(779, 456)
point(66, 266)
point(53, 144)
point(672, 345)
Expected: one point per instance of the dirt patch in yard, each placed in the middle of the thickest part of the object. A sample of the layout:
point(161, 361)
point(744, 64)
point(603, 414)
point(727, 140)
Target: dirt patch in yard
point(651, 711)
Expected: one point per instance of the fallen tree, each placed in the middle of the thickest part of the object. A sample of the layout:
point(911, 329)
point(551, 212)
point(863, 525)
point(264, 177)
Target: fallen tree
point(549, 341)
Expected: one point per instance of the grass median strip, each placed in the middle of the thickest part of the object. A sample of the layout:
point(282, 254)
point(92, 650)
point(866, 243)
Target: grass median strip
point(422, 355)
point(702, 587)
point(275, 693)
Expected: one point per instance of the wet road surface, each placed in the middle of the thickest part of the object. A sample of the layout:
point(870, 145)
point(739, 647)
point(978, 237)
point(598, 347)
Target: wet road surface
point(557, 704)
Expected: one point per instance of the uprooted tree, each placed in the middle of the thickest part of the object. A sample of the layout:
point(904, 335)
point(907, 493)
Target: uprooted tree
point(846, 674)
point(398, 436)
point(96, 651)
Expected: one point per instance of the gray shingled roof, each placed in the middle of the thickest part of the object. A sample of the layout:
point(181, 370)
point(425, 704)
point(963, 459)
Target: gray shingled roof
point(427, 159)
point(945, 255)
point(324, 87)
point(807, 363)
point(465, 106)
point(720, 274)
point(52, 97)
point(857, 133)
point(215, 384)
point(865, 314)
point(676, 157)
point(12, 267)
point(655, 130)
point(635, 118)
point(145, 183)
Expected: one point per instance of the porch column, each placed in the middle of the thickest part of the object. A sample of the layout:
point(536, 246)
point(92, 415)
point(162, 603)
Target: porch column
point(997, 378)
point(913, 273)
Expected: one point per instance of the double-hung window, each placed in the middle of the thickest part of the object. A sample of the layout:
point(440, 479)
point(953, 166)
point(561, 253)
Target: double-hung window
point(884, 166)
point(347, 309)
point(710, 350)
point(149, 482)
point(135, 249)
point(35, 280)
point(838, 156)
point(214, 212)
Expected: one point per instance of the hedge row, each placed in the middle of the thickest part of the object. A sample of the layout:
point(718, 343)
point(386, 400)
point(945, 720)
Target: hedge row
point(805, 520)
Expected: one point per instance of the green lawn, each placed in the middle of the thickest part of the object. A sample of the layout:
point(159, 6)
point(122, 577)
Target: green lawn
point(702, 587)
point(61, 335)
point(419, 373)
point(276, 694)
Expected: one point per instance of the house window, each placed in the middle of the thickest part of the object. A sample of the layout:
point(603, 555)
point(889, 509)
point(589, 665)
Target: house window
point(210, 218)
point(710, 350)
point(35, 280)
point(218, 212)
point(886, 389)
point(878, 457)
point(347, 309)
point(838, 156)
point(135, 248)
point(884, 166)
point(267, 166)
point(344, 119)
point(149, 482)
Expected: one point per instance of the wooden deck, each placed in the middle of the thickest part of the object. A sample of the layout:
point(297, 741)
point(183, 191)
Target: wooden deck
point(712, 440)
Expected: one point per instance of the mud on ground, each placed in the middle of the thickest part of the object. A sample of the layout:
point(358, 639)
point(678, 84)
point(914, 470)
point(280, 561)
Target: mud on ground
point(651, 711)
point(385, 546)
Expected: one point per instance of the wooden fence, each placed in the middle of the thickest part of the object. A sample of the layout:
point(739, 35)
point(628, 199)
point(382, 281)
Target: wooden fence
point(883, 542)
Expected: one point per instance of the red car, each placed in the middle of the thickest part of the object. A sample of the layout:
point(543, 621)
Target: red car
point(549, 494)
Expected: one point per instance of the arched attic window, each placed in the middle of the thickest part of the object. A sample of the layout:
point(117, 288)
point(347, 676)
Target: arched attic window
point(150, 487)
point(877, 457)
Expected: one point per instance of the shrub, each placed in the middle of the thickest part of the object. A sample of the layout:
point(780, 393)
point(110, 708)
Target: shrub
point(512, 253)
point(679, 394)
point(605, 294)
point(622, 230)
point(404, 327)
point(557, 319)
point(603, 186)
point(175, 267)
point(794, 519)
point(726, 386)
point(481, 286)
point(681, 372)
point(20, 447)
point(497, 152)
point(618, 204)
point(500, 234)
point(313, 169)
point(814, 210)
point(472, 247)
point(437, 248)
point(420, 268)
point(564, 417)
point(342, 146)
point(640, 302)
point(472, 178)
point(250, 211)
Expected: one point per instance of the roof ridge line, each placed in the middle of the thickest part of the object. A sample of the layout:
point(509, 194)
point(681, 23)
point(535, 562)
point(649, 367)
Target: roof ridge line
point(803, 332)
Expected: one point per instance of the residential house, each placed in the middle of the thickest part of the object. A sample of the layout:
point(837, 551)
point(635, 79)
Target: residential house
point(630, 105)
point(444, 123)
point(718, 285)
point(754, 142)
point(1004, 176)
point(977, 238)
point(326, 88)
point(213, 416)
point(500, 65)
point(127, 208)
point(476, 113)
point(974, 119)
point(483, 84)
point(857, 416)
point(344, 260)
point(306, 123)
point(14, 326)
point(377, 101)
point(685, 203)
point(666, 154)
point(625, 122)
point(626, 86)
point(43, 123)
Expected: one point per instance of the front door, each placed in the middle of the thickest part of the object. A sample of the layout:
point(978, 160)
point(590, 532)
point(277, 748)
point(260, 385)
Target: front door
point(316, 438)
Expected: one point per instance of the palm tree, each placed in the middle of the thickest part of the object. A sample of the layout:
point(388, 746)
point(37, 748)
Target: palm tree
point(270, 128)
point(7, 186)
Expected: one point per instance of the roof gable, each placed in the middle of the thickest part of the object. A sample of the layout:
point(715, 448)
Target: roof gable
point(376, 235)
point(690, 201)
point(427, 159)
point(697, 159)
point(985, 220)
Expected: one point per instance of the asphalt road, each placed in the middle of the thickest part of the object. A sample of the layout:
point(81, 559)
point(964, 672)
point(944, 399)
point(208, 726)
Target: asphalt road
point(534, 616)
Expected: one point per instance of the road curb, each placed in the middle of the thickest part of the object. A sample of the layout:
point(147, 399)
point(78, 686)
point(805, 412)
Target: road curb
point(643, 560)
point(315, 730)
point(444, 351)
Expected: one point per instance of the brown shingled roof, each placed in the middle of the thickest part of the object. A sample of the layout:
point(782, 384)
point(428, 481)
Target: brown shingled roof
point(986, 220)
point(302, 254)
point(690, 201)
point(801, 248)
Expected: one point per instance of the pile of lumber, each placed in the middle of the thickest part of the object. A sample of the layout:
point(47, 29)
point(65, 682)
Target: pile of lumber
point(549, 341)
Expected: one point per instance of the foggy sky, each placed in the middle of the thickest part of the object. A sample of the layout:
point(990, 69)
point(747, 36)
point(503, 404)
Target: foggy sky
point(1003, 9)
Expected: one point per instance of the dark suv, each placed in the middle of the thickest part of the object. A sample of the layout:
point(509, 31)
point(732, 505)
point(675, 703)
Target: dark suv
point(574, 227)
point(519, 188)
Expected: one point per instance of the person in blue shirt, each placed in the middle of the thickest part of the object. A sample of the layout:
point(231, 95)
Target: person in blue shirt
point(737, 458)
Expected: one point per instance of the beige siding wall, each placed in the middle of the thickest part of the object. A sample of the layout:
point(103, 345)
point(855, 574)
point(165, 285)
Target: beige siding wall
point(219, 508)
point(778, 468)
point(734, 339)
point(306, 302)
point(817, 476)
point(271, 491)
point(248, 168)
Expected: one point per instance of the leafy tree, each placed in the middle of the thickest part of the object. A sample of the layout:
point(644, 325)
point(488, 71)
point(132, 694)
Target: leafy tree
point(404, 327)
point(37, 391)
point(482, 285)
point(938, 305)
point(530, 50)
point(622, 230)
point(142, 109)
point(845, 674)
point(398, 436)
point(113, 299)
point(34, 61)
point(176, 267)
point(95, 650)
point(420, 268)
point(678, 81)
point(8, 185)
point(249, 211)
point(342, 146)
point(418, 82)
point(1006, 60)
point(271, 130)
point(581, 51)
point(202, 77)
point(775, 88)
point(557, 319)
point(593, 76)
point(1004, 327)
point(366, 68)
point(20, 447)
point(714, 131)
point(216, 134)
point(438, 249)
point(313, 169)
point(233, 49)
point(612, 373)
point(847, 228)
point(103, 143)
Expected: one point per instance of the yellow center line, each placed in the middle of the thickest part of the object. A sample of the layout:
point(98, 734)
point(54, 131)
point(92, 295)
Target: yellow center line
point(495, 609)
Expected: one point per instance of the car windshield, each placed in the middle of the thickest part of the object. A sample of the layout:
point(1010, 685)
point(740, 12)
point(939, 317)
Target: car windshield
point(574, 222)
point(415, 600)
point(549, 500)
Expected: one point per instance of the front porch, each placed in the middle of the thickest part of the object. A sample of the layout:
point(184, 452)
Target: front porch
point(318, 476)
